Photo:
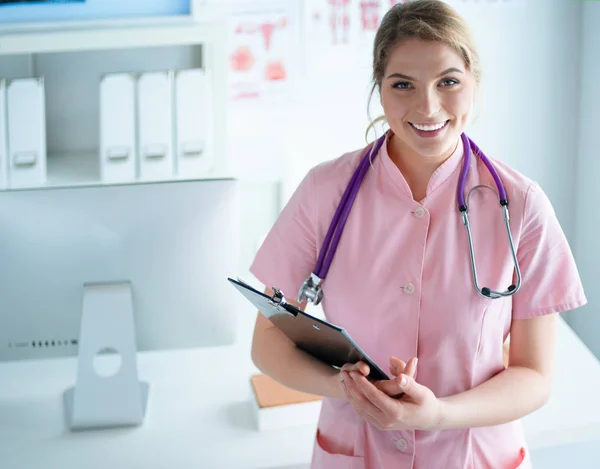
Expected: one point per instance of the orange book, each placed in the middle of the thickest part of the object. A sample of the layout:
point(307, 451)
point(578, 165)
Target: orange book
point(270, 393)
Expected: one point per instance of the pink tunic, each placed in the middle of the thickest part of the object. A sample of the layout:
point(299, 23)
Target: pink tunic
point(401, 284)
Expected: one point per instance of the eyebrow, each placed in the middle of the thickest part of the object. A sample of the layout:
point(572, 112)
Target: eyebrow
point(401, 75)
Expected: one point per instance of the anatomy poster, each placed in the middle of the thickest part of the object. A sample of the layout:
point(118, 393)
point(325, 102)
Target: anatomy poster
point(260, 49)
point(339, 34)
point(327, 34)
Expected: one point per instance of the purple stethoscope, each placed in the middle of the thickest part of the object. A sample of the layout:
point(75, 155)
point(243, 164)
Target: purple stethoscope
point(311, 288)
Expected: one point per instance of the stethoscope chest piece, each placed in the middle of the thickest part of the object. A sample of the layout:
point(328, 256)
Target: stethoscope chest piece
point(311, 290)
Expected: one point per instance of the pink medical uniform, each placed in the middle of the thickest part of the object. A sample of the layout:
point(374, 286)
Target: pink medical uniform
point(401, 284)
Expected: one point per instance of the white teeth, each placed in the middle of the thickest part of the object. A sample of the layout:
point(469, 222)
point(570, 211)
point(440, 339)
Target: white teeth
point(429, 128)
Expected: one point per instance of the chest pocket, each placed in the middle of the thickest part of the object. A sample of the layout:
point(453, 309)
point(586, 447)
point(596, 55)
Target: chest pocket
point(495, 323)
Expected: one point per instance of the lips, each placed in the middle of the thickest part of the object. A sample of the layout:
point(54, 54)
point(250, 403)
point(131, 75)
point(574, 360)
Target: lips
point(429, 127)
point(429, 130)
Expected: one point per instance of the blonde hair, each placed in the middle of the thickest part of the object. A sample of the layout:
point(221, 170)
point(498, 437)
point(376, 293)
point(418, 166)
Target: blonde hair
point(429, 20)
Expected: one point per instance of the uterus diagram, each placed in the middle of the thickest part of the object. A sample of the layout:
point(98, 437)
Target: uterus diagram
point(244, 57)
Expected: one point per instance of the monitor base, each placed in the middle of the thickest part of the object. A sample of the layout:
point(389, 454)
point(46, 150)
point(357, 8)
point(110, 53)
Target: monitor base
point(101, 400)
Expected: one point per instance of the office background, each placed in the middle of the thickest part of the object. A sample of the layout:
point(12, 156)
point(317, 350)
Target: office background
point(540, 62)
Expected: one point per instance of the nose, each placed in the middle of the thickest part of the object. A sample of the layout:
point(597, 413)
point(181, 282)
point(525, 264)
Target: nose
point(428, 102)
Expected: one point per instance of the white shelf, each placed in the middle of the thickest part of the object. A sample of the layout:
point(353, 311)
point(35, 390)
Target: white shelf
point(83, 169)
point(99, 35)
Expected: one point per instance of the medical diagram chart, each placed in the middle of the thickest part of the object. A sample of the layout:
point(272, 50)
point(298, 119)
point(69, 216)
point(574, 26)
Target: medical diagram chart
point(259, 56)
point(334, 27)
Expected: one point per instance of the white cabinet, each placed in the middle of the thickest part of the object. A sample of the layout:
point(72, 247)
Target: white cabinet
point(194, 152)
point(3, 141)
point(26, 133)
point(118, 146)
point(155, 125)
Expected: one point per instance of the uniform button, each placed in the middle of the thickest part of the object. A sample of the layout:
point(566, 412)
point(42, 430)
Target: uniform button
point(419, 212)
point(402, 444)
point(409, 288)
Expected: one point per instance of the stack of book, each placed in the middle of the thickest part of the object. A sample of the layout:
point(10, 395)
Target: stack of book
point(277, 406)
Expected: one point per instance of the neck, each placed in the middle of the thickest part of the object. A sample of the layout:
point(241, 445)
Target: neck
point(416, 169)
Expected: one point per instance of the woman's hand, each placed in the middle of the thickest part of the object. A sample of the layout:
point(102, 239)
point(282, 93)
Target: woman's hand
point(417, 409)
point(398, 367)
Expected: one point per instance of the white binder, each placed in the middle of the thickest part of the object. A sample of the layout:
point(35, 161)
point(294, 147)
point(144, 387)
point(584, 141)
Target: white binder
point(155, 121)
point(26, 132)
point(117, 128)
point(193, 123)
point(3, 142)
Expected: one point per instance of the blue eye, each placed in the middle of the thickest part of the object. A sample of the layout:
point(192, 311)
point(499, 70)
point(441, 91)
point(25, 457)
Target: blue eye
point(402, 85)
point(451, 81)
point(405, 85)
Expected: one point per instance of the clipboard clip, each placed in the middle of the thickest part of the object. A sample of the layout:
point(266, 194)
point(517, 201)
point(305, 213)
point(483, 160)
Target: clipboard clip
point(277, 300)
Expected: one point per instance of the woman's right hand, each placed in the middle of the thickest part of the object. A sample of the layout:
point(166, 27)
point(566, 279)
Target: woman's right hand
point(397, 367)
point(390, 387)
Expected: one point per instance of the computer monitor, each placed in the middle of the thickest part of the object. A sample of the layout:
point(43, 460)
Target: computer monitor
point(174, 243)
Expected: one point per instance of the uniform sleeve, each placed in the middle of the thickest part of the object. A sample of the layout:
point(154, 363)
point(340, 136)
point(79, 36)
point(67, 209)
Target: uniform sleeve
point(550, 279)
point(288, 254)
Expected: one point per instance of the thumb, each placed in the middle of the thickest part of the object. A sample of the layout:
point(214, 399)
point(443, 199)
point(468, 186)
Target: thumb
point(411, 388)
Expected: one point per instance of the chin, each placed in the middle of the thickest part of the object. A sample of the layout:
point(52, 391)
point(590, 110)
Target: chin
point(432, 153)
point(436, 147)
point(433, 149)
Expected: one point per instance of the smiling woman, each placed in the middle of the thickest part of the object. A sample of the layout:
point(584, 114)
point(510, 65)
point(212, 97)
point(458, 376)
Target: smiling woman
point(403, 281)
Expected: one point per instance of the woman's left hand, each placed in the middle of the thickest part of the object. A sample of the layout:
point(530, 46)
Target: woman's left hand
point(417, 409)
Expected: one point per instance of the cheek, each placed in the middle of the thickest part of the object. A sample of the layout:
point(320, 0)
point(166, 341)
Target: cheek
point(393, 105)
point(460, 105)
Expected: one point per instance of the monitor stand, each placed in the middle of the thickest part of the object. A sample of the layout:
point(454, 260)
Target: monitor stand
point(98, 401)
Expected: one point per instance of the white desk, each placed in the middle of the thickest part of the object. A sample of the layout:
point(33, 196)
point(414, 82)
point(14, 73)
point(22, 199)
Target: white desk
point(199, 416)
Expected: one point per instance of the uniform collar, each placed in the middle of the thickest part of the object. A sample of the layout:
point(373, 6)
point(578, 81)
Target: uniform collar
point(439, 176)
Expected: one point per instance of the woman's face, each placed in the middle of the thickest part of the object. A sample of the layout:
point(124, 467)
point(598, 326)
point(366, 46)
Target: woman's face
point(427, 95)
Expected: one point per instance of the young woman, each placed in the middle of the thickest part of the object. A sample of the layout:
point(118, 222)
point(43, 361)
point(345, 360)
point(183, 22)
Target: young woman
point(401, 279)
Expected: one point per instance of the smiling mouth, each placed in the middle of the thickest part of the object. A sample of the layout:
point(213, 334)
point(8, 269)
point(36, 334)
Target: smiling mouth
point(430, 127)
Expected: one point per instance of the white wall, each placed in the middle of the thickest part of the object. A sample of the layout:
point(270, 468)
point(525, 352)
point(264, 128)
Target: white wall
point(530, 117)
point(586, 322)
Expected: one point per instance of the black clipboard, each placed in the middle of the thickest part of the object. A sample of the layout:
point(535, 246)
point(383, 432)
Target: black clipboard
point(325, 341)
